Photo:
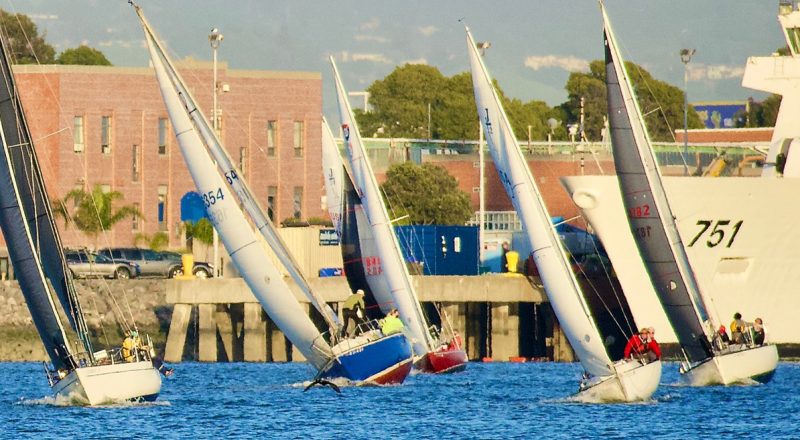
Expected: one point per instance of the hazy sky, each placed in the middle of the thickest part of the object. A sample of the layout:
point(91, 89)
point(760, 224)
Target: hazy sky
point(535, 43)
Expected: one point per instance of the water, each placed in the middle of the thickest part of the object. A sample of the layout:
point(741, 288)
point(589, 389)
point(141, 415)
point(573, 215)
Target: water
point(495, 400)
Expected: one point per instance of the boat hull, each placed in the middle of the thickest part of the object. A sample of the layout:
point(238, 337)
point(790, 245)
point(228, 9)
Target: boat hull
point(382, 361)
point(739, 367)
point(443, 361)
point(633, 382)
point(756, 275)
point(104, 384)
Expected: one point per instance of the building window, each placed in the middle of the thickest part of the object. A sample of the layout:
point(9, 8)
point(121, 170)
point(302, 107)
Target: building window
point(272, 127)
point(78, 144)
point(298, 139)
point(272, 199)
point(162, 136)
point(162, 207)
point(135, 217)
point(105, 188)
point(105, 135)
point(297, 202)
point(135, 163)
point(243, 160)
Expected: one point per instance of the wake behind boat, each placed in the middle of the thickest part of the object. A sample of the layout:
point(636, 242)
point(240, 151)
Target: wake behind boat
point(377, 358)
point(368, 235)
point(605, 380)
point(708, 360)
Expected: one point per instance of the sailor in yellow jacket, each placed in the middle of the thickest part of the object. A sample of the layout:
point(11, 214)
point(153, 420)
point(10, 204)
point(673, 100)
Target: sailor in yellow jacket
point(392, 324)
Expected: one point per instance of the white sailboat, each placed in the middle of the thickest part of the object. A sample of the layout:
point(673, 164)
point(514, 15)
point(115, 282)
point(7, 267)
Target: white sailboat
point(370, 358)
point(34, 246)
point(750, 267)
point(605, 379)
point(333, 173)
point(388, 276)
point(707, 359)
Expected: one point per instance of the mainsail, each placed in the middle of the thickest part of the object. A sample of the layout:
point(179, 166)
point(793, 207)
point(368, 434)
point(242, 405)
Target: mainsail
point(333, 173)
point(240, 241)
point(648, 211)
point(562, 288)
point(390, 264)
point(30, 232)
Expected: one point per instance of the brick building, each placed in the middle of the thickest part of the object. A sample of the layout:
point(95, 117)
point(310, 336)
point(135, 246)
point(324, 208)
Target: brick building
point(98, 125)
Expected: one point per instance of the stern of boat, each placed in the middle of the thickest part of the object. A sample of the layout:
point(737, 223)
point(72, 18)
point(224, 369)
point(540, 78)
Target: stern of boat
point(112, 383)
point(444, 360)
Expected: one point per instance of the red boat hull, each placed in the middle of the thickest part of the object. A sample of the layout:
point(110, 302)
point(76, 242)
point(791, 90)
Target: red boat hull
point(443, 361)
point(394, 375)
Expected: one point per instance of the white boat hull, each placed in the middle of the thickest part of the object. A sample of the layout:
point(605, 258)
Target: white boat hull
point(755, 276)
point(104, 384)
point(738, 367)
point(633, 382)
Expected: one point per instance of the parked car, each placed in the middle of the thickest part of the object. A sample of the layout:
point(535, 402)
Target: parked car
point(154, 263)
point(201, 269)
point(84, 264)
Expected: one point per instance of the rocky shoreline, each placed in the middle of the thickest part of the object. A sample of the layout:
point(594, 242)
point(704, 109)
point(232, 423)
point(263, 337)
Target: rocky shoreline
point(104, 302)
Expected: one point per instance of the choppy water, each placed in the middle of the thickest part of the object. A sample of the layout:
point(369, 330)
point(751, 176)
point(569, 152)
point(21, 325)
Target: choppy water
point(496, 400)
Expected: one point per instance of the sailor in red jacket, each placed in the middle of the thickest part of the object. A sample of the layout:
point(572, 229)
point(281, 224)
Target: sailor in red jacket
point(637, 345)
point(654, 350)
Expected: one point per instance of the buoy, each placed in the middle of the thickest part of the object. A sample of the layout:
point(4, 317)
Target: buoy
point(487, 359)
point(517, 359)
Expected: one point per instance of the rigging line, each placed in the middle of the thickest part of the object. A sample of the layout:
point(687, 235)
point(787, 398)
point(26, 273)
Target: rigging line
point(97, 310)
point(66, 128)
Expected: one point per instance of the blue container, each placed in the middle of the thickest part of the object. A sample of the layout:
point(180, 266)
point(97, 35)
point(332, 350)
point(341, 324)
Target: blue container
point(442, 250)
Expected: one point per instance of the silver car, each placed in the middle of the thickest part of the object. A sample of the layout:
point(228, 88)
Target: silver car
point(85, 264)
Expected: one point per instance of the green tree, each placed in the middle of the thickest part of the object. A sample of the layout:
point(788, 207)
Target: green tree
point(158, 241)
point(427, 193)
point(661, 103)
point(25, 44)
point(83, 55)
point(93, 212)
point(400, 107)
point(760, 114)
point(201, 230)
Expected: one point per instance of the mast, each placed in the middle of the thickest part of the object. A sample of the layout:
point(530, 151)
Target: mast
point(26, 222)
point(245, 195)
point(391, 263)
point(240, 241)
point(648, 211)
point(562, 288)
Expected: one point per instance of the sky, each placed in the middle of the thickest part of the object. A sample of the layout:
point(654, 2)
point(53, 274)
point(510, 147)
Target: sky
point(535, 44)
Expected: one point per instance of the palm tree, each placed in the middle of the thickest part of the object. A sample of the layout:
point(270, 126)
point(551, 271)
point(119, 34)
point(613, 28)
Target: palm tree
point(93, 212)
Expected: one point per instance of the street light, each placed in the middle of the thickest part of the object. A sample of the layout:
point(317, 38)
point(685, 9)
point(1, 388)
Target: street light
point(215, 37)
point(686, 56)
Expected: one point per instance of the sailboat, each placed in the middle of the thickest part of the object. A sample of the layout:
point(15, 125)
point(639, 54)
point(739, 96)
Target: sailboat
point(369, 358)
point(77, 374)
point(707, 360)
point(605, 380)
point(437, 350)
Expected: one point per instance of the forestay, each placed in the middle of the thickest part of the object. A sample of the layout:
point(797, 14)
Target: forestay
point(555, 272)
point(238, 237)
point(648, 211)
point(391, 265)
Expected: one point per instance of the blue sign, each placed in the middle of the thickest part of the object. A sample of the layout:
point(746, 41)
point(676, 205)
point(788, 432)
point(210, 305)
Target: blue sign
point(719, 115)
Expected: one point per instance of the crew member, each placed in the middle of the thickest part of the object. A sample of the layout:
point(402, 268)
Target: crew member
point(353, 308)
point(391, 324)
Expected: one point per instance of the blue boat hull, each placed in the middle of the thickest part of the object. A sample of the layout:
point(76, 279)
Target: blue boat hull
point(384, 361)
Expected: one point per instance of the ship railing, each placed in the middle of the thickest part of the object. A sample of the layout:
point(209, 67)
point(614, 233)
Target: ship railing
point(363, 332)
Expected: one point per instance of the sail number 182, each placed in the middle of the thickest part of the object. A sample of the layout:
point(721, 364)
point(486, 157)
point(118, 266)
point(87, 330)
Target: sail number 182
point(717, 231)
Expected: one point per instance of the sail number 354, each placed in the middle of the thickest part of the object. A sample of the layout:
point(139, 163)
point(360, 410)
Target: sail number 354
point(716, 232)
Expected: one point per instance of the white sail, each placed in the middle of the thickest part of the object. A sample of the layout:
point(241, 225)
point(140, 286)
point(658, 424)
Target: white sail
point(562, 288)
point(333, 173)
point(391, 264)
point(240, 241)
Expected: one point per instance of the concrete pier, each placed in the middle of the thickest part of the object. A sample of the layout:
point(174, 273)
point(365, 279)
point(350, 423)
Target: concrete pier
point(497, 316)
